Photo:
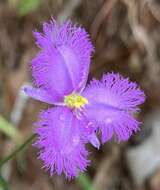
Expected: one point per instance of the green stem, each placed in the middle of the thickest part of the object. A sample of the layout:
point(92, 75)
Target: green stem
point(3, 183)
point(18, 149)
point(85, 182)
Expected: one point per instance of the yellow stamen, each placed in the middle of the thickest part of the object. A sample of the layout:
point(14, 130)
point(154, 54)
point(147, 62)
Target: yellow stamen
point(75, 100)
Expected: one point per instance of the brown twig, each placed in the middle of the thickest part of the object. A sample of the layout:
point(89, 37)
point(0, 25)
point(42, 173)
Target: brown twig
point(101, 16)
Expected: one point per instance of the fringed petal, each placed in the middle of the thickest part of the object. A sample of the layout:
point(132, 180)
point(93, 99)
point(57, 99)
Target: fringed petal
point(63, 64)
point(112, 103)
point(62, 147)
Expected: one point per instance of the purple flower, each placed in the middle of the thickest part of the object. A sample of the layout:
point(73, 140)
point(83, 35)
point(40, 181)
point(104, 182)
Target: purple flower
point(60, 73)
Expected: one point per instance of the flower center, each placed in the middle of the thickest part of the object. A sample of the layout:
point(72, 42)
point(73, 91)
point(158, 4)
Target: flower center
point(75, 100)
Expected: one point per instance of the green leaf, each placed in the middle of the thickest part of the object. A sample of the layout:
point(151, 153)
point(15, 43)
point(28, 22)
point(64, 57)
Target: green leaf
point(9, 130)
point(85, 182)
point(3, 184)
point(26, 6)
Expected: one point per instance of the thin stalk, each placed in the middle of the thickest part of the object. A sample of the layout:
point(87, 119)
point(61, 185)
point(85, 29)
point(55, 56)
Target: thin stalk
point(85, 182)
point(16, 150)
point(3, 183)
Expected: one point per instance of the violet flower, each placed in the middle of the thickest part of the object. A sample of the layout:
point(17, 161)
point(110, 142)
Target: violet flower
point(60, 73)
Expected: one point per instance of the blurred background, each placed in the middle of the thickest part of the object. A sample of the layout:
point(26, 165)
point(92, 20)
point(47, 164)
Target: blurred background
point(126, 36)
